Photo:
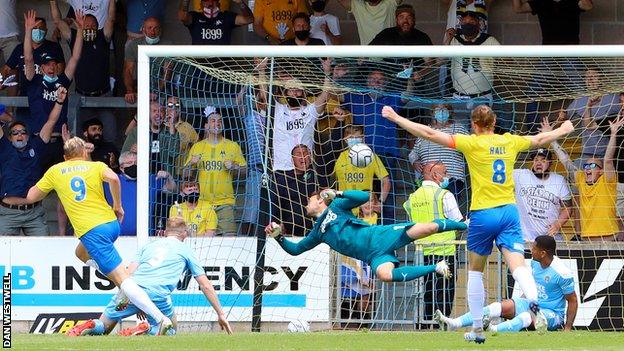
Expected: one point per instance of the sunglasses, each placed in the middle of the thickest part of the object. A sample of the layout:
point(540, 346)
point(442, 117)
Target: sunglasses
point(16, 132)
point(171, 104)
point(588, 166)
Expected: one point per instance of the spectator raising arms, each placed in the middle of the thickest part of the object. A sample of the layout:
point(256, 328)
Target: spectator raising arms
point(213, 26)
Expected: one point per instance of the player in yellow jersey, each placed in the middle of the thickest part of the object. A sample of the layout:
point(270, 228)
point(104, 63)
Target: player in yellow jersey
point(79, 185)
point(494, 216)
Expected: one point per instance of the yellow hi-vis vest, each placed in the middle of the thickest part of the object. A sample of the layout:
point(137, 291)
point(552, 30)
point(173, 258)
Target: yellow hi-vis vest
point(425, 205)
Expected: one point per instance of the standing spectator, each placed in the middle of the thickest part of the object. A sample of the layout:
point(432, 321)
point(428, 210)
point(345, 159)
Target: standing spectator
point(20, 168)
point(273, 19)
point(188, 135)
point(151, 30)
point(92, 71)
point(430, 202)
point(128, 183)
point(350, 177)
point(199, 216)
point(139, 12)
point(456, 8)
point(8, 28)
point(559, 19)
point(323, 25)
point(301, 27)
point(371, 16)
point(218, 160)
point(103, 151)
point(597, 186)
point(543, 198)
point(100, 9)
point(425, 151)
point(213, 26)
point(293, 189)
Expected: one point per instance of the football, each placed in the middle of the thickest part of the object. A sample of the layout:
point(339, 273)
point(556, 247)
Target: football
point(360, 155)
point(298, 326)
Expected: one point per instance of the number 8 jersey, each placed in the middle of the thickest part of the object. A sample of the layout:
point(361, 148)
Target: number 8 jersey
point(491, 159)
point(79, 186)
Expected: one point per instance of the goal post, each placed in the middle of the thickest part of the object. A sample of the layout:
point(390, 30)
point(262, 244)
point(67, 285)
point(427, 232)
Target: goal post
point(524, 84)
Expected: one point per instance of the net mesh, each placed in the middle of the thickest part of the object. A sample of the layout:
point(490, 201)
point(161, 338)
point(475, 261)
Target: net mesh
point(263, 158)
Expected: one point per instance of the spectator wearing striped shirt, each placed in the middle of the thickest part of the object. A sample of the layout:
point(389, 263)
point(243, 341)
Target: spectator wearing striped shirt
point(425, 151)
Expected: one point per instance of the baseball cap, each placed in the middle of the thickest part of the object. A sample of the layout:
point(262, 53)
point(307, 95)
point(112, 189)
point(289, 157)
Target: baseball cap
point(50, 57)
point(404, 8)
point(542, 152)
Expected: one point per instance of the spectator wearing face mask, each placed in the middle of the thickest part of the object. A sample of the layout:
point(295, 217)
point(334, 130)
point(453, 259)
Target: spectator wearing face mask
point(198, 215)
point(138, 12)
point(323, 25)
point(273, 19)
point(301, 26)
point(152, 31)
point(103, 151)
point(213, 26)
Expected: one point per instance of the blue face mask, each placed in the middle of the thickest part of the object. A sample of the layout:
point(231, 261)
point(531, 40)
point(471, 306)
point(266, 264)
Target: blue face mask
point(441, 115)
point(152, 41)
point(38, 35)
point(49, 79)
point(353, 141)
point(444, 183)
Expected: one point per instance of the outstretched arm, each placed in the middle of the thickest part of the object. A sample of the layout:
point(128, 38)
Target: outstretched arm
point(321, 100)
point(34, 195)
point(547, 137)
point(571, 311)
point(346, 200)
point(29, 60)
point(58, 21)
point(609, 168)
point(417, 129)
point(292, 248)
point(210, 294)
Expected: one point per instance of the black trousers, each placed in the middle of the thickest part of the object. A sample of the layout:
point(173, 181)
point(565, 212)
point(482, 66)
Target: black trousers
point(439, 292)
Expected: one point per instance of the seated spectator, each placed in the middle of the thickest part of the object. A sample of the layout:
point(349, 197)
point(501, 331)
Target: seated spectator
point(218, 160)
point(20, 168)
point(371, 16)
point(92, 71)
point(425, 151)
point(350, 177)
point(103, 151)
point(292, 189)
point(198, 215)
point(456, 8)
point(597, 186)
point(151, 36)
point(273, 19)
point(9, 30)
point(213, 26)
point(559, 20)
point(138, 12)
point(543, 198)
point(301, 27)
point(323, 25)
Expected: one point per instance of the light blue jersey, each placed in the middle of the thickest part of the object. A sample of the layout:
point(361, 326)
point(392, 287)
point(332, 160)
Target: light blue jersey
point(161, 264)
point(553, 283)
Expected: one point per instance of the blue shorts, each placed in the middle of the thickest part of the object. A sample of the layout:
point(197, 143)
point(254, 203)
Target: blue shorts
point(500, 225)
point(384, 241)
point(164, 305)
point(99, 244)
point(554, 319)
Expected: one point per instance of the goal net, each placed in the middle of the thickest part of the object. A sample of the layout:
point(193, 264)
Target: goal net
point(249, 133)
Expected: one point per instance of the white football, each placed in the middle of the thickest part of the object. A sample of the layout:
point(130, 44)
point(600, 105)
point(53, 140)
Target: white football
point(298, 326)
point(360, 155)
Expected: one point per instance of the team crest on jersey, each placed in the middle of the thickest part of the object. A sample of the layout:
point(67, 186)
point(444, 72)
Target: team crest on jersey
point(31, 152)
point(547, 278)
point(218, 23)
point(222, 153)
point(198, 216)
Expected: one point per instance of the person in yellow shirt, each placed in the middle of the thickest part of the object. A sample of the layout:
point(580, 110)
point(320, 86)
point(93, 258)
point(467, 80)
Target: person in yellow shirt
point(79, 185)
point(597, 186)
point(217, 160)
point(199, 216)
point(494, 216)
point(350, 177)
point(273, 19)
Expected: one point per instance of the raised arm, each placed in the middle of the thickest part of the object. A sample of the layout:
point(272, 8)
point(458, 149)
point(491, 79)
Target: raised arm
point(246, 15)
point(48, 127)
point(58, 20)
point(109, 25)
point(183, 13)
point(417, 129)
point(614, 126)
point(29, 60)
point(211, 295)
point(70, 69)
point(521, 6)
point(294, 249)
point(346, 200)
point(321, 100)
point(571, 311)
point(547, 137)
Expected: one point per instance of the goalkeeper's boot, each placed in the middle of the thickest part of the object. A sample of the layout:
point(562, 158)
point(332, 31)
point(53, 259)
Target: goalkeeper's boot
point(82, 328)
point(443, 269)
point(449, 224)
point(475, 335)
point(165, 326)
point(442, 320)
point(139, 329)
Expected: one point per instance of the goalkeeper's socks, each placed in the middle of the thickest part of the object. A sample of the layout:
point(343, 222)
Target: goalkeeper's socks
point(407, 273)
point(521, 321)
point(449, 224)
point(139, 298)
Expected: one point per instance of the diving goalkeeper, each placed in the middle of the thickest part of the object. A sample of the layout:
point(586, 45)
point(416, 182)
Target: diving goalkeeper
point(374, 244)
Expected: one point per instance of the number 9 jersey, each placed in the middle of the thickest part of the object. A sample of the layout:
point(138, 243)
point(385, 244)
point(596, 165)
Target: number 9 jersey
point(491, 159)
point(79, 186)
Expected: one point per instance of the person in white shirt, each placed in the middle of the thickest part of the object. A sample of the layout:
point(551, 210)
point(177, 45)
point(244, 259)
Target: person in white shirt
point(323, 25)
point(543, 198)
point(8, 28)
point(97, 8)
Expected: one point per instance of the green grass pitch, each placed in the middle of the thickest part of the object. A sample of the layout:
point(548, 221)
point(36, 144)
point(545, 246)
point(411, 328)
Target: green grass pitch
point(602, 341)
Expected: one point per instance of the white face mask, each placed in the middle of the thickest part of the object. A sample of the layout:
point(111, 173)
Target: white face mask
point(152, 41)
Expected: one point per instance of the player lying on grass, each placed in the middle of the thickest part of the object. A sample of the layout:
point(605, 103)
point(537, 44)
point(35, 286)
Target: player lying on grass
point(337, 227)
point(556, 286)
point(79, 186)
point(157, 268)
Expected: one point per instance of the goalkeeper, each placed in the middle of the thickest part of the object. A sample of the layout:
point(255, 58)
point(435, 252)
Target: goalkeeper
point(157, 269)
point(374, 244)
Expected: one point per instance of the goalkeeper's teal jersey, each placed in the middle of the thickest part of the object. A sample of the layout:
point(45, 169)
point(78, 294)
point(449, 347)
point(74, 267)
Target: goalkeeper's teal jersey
point(161, 264)
point(345, 233)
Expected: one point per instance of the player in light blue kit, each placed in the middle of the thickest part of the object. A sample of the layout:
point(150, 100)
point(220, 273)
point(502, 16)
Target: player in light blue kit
point(555, 286)
point(157, 269)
